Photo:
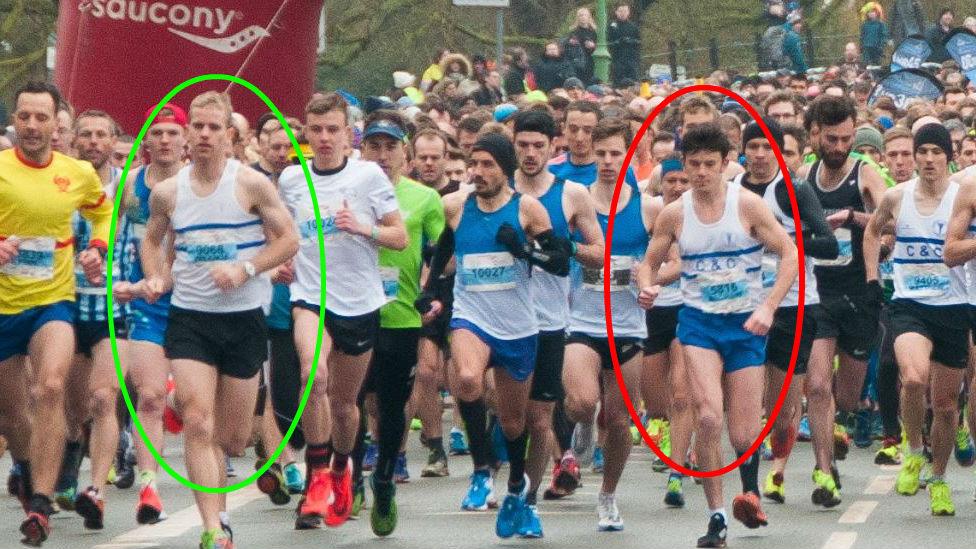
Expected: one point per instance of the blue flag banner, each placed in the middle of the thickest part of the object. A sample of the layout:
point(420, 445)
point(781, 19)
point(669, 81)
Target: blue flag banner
point(905, 85)
point(911, 53)
point(961, 45)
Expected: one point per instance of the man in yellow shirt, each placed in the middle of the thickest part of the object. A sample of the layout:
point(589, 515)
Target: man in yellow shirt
point(40, 189)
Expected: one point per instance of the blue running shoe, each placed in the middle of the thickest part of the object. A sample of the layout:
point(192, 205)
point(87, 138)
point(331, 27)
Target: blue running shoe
point(370, 457)
point(481, 491)
point(498, 443)
point(512, 511)
point(459, 446)
point(294, 480)
point(803, 432)
point(862, 429)
point(598, 460)
point(400, 473)
point(531, 526)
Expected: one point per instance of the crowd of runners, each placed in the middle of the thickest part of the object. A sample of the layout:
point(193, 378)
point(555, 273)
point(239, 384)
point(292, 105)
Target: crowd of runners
point(467, 264)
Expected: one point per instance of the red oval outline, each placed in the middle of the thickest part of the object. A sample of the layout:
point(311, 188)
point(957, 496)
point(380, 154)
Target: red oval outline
point(801, 274)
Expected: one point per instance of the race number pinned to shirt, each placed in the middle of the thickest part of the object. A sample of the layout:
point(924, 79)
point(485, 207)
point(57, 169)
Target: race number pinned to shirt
point(307, 228)
point(845, 246)
point(391, 282)
point(923, 279)
point(35, 259)
point(621, 275)
point(725, 291)
point(206, 247)
point(488, 272)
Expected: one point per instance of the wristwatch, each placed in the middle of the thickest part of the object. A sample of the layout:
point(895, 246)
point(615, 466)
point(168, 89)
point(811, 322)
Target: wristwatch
point(250, 269)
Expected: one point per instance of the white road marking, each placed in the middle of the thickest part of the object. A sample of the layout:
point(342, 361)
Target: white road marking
point(858, 512)
point(880, 485)
point(840, 540)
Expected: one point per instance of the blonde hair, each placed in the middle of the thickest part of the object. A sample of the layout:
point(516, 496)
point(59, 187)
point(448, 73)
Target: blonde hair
point(214, 99)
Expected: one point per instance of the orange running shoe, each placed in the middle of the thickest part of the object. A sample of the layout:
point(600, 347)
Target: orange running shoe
point(314, 506)
point(150, 508)
point(746, 509)
point(340, 505)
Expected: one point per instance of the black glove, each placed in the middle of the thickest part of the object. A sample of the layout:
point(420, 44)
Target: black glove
point(508, 237)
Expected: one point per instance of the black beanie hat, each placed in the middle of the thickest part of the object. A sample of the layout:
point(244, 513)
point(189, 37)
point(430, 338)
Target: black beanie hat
point(501, 149)
point(753, 131)
point(934, 134)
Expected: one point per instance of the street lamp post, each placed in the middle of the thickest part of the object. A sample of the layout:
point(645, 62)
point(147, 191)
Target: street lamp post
point(601, 56)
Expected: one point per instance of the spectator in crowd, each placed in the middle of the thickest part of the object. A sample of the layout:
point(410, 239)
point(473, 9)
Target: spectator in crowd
point(518, 73)
point(579, 44)
point(623, 38)
point(793, 44)
point(552, 69)
point(852, 59)
point(874, 33)
point(433, 73)
point(970, 23)
point(937, 33)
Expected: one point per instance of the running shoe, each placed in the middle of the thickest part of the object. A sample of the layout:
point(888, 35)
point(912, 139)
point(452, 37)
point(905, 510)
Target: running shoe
point(371, 456)
point(383, 517)
point(36, 528)
point(717, 529)
point(312, 508)
point(510, 514)
point(554, 491)
point(675, 497)
point(747, 510)
point(66, 498)
point(608, 513)
point(597, 460)
point(907, 483)
point(531, 525)
point(436, 464)
point(480, 492)
point(889, 453)
point(583, 443)
point(293, 479)
point(940, 499)
point(498, 444)
point(635, 436)
point(862, 428)
point(340, 504)
point(459, 446)
point(842, 442)
point(91, 507)
point(802, 433)
point(358, 498)
point(216, 539)
point(150, 508)
point(272, 484)
point(965, 451)
point(877, 426)
point(400, 473)
point(569, 474)
point(231, 472)
point(774, 488)
point(416, 424)
point(826, 493)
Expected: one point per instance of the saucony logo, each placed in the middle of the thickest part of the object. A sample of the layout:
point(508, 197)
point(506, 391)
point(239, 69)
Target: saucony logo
point(231, 44)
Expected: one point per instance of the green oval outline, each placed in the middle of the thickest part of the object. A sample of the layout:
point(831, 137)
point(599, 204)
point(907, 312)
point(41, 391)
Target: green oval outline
point(111, 321)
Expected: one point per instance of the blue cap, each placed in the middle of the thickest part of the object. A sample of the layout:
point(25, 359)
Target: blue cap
point(886, 122)
point(504, 111)
point(384, 127)
point(671, 165)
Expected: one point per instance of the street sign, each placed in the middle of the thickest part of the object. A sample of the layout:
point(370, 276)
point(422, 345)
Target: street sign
point(482, 3)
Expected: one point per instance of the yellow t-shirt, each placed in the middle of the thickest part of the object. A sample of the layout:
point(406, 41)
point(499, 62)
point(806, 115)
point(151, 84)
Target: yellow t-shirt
point(432, 74)
point(36, 204)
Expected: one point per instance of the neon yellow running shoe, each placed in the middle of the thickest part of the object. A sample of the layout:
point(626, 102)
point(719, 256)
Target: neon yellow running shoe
point(774, 488)
point(416, 424)
point(911, 468)
point(826, 492)
point(940, 499)
point(110, 479)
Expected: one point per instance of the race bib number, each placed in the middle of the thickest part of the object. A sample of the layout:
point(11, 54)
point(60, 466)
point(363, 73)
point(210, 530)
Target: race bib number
point(621, 268)
point(923, 279)
point(35, 259)
point(725, 291)
point(846, 250)
point(209, 253)
point(770, 266)
point(391, 282)
point(488, 272)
